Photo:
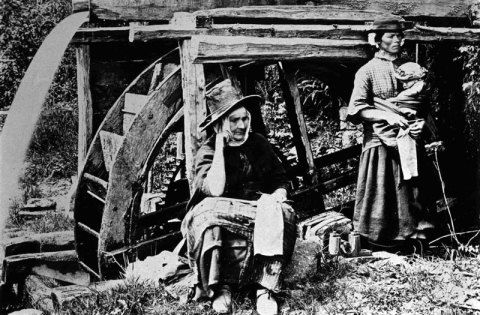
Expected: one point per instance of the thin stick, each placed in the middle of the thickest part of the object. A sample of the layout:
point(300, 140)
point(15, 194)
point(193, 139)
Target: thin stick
point(437, 166)
point(460, 233)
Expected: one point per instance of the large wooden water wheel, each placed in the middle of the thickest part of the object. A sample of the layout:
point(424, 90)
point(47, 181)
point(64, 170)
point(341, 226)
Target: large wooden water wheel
point(115, 175)
point(140, 139)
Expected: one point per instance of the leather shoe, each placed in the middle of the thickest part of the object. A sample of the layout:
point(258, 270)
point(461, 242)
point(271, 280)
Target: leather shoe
point(266, 303)
point(222, 303)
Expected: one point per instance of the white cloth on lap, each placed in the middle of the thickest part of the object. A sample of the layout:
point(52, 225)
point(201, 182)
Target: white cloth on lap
point(269, 226)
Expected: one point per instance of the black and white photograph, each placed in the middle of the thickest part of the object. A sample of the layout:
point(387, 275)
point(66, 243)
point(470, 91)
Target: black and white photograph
point(244, 157)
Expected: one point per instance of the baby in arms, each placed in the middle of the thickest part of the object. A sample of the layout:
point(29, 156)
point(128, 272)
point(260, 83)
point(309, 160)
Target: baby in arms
point(409, 102)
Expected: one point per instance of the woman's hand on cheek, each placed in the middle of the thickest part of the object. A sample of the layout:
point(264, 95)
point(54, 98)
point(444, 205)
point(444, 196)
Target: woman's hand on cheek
point(222, 130)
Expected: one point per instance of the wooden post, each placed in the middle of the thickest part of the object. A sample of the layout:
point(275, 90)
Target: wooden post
point(85, 111)
point(194, 105)
point(297, 122)
point(299, 131)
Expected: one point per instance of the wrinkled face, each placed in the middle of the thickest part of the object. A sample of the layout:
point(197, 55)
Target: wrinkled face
point(391, 42)
point(239, 122)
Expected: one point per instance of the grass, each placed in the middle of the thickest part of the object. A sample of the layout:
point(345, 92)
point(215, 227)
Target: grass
point(53, 151)
point(134, 297)
point(399, 285)
point(51, 222)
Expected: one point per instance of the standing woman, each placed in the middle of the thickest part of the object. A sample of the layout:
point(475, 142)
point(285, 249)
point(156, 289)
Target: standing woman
point(388, 210)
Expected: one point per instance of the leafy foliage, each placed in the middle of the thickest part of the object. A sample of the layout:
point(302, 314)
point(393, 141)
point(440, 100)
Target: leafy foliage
point(471, 88)
point(23, 27)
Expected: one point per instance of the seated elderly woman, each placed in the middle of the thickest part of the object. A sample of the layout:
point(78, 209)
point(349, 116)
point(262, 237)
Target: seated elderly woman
point(239, 232)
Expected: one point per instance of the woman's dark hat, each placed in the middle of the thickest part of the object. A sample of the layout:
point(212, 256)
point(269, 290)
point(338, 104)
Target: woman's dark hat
point(390, 23)
point(223, 98)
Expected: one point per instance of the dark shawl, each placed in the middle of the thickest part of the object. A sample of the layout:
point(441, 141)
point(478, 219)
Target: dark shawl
point(250, 169)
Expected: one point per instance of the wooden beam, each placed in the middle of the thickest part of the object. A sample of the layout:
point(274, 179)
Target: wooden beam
point(437, 34)
point(101, 35)
point(194, 106)
point(151, 10)
point(44, 242)
point(80, 5)
point(85, 110)
point(163, 241)
point(16, 267)
point(342, 180)
point(347, 31)
point(74, 276)
point(61, 296)
point(293, 104)
point(222, 49)
point(37, 290)
point(155, 32)
point(161, 10)
point(324, 14)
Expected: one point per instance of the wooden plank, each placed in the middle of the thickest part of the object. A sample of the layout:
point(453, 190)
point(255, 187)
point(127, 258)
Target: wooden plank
point(172, 126)
point(345, 179)
point(435, 34)
point(95, 196)
point(332, 158)
point(164, 9)
point(29, 215)
point(148, 130)
point(338, 156)
point(43, 242)
point(80, 5)
point(63, 295)
point(297, 122)
point(156, 77)
point(324, 14)
point(96, 180)
point(161, 10)
point(127, 121)
point(88, 246)
point(222, 49)
point(134, 102)
point(88, 229)
point(85, 110)
point(168, 239)
point(17, 267)
point(90, 270)
point(111, 142)
point(37, 291)
point(356, 32)
point(162, 215)
point(77, 276)
point(194, 105)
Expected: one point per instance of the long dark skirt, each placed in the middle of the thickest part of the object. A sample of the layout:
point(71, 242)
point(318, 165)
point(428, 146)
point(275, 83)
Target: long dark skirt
point(388, 208)
point(219, 234)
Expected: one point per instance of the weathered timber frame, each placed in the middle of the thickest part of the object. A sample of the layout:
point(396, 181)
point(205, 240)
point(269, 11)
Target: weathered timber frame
point(194, 105)
point(225, 36)
point(154, 10)
point(215, 36)
point(85, 110)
